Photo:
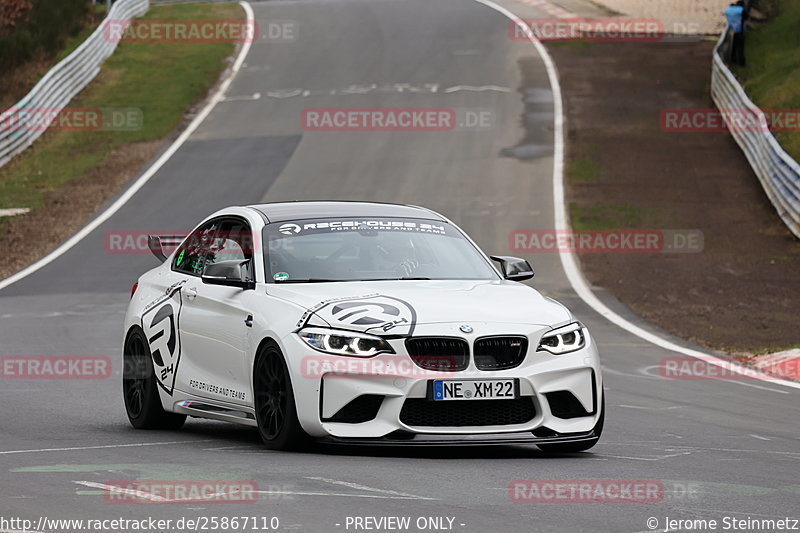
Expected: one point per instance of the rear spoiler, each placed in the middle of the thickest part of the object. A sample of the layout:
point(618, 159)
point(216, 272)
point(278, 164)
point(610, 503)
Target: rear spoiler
point(163, 245)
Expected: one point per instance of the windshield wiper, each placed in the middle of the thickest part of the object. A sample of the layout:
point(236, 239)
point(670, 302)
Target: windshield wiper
point(314, 280)
point(395, 279)
point(325, 280)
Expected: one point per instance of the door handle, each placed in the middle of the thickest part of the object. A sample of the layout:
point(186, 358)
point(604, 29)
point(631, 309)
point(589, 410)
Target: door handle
point(249, 321)
point(191, 293)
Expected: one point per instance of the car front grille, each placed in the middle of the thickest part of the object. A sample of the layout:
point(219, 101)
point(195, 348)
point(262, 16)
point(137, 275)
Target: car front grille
point(500, 353)
point(421, 412)
point(443, 354)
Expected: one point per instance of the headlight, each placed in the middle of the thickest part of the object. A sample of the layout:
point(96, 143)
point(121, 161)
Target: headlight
point(344, 342)
point(563, 340)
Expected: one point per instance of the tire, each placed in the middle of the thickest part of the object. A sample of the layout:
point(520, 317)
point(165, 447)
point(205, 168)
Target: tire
point(140, 389)
point(575, 447)
point(276, 412)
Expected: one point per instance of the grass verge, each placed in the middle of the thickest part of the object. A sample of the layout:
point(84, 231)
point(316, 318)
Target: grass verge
point(604, 217)
point(157, 81)
point(67, 175)
point(582, 170)
point(772, 75)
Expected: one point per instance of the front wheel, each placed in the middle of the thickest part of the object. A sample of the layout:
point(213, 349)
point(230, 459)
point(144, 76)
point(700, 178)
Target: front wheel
point(575, 447)
point(140, 389)
point(276, 413)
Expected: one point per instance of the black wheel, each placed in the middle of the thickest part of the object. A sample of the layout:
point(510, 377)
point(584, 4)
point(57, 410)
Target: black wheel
point(276, 413)
point(575, 447)
point(140, 390)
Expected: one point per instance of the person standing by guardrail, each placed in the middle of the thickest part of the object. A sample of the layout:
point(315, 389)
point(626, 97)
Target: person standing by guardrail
point(737, 17)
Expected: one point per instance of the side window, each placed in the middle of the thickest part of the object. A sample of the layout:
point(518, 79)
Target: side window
point(233, 241)
point(191, 256)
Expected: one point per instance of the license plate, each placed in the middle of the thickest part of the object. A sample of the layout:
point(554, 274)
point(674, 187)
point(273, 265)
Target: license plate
point(487, 389)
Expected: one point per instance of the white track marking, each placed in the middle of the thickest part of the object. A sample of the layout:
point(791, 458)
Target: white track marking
point(79, 448)
point(337, 494)
point(650, 373)
point(243, 98)
point(354, 90)
point(568, 262)
point(368, 489)
point(13, 211)
point(382, 495)
point(478, 88)
point(142, 495)
point(653, 458)
point(752, 385)
point(149, 173)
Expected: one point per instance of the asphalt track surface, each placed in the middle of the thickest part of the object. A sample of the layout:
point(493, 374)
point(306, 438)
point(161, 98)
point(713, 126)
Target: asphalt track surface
point(721, 448)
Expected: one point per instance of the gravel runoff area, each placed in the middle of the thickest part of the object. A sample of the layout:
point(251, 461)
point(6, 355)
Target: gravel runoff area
point(741, 292)
point(678, 16)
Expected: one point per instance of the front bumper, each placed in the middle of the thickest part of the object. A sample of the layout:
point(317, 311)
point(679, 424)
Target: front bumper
point(323, 391)
point(493, 439)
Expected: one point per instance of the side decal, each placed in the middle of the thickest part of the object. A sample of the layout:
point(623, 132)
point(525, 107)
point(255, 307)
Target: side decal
point(161, 325)
point(376, 314)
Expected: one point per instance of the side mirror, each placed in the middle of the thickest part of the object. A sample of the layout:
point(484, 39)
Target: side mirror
point(234, 273)
point(514, 268)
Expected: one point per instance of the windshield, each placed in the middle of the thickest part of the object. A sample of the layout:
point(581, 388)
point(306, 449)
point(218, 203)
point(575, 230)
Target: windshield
point(353, 249)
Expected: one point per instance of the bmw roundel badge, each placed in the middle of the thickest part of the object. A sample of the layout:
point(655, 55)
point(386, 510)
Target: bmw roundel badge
point(466, 329)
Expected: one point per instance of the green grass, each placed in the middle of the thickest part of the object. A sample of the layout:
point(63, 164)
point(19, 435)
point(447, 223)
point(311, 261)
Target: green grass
point(772, 75)
point(162, 80)
point(606, 216)
point(582, 170)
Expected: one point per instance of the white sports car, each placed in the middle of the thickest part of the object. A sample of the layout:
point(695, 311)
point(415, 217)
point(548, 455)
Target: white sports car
point(355, 323)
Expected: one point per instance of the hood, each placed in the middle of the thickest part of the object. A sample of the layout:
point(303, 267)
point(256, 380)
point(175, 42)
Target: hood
point(396, 307)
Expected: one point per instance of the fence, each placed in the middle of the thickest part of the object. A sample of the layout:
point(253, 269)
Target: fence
point(62, 83)
point(778, 173)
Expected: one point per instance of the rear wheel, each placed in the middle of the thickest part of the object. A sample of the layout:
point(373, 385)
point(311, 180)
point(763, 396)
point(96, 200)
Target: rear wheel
point(140, 390)
point(276, 413)
point(575, 447)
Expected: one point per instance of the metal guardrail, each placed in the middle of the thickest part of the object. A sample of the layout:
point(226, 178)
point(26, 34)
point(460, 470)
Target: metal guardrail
point(778, 173)
point(55, 90)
